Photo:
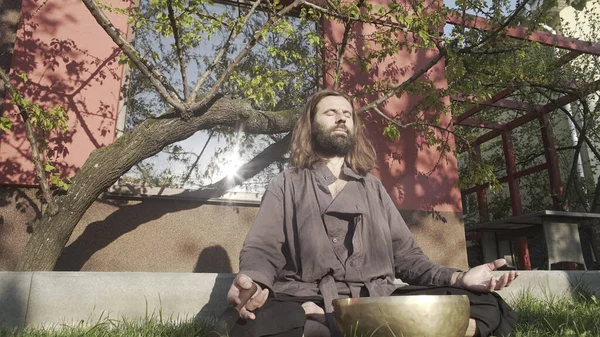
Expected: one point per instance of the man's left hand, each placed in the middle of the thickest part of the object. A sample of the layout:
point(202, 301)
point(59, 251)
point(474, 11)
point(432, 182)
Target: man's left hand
point(481, 279)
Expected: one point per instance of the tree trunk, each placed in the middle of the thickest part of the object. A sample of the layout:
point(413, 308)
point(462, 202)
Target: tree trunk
point(106, 165)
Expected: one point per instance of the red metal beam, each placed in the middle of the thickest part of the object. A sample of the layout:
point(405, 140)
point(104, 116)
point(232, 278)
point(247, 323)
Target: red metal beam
point(476, 123)
point(478, 108)
point(510, 104)
point(589, 88)
point(525, 172)
point(506, 92)
point(531, 170)
point(522, 33)
point(501, 103)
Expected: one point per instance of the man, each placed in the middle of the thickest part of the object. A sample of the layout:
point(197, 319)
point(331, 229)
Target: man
point(327, 229)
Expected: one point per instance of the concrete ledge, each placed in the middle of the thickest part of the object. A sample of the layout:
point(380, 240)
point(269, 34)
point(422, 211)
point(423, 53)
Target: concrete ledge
point(54, 298)
point(552, 284)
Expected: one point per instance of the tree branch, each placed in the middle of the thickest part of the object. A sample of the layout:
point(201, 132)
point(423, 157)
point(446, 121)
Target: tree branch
point(404, 84)
point(496, 31)
point(572, 174)
point(257, 36)
point(162, 86)
point(591, 146)
point(340, 53)
point(376, 22)
point(247, 171)
point(222, 52)
point(178, 48)
point(187, 176)
point(35, 151)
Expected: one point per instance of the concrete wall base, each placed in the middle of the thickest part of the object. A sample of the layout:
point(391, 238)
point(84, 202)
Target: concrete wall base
point(53, 298)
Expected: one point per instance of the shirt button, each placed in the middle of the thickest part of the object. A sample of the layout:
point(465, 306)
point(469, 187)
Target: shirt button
point(352, 263)
point(335, 240)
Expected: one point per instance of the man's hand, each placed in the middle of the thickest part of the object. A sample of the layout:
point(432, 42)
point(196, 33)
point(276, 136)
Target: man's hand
point(481, 279)
point(246, 296)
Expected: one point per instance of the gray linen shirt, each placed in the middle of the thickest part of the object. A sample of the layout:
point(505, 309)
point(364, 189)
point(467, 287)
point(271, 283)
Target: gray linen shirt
point(296, 243)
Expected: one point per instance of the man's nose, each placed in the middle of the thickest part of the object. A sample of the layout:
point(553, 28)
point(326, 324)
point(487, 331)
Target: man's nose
point(341, 117)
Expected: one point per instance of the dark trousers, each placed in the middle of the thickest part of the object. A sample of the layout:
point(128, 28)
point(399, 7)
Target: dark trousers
point(282, 314)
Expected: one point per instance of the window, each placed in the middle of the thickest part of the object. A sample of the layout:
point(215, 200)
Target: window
point(214, 155)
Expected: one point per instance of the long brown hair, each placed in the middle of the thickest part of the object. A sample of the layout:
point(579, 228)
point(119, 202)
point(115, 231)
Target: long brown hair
point(361, 157)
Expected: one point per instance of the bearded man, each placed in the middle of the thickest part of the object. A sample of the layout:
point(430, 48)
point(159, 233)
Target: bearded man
point(328, 229)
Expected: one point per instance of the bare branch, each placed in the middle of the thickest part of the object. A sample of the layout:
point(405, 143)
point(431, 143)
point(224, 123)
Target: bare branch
point(178, 48)
point(573, 172)
point(376, 22)
point(247, 171)
point(187, 176)
point(222, 52)
point(166, 91)
point(342, 50)
point(257, 36)
point(404, 84)
point(496, 31)
point(575, 123)
point(35, 151)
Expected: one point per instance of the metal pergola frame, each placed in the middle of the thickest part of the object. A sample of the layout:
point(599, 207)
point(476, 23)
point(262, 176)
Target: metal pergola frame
point(536, 111)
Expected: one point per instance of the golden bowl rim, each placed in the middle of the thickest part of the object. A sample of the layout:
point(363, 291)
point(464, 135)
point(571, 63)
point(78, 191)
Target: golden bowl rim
point(403, 299)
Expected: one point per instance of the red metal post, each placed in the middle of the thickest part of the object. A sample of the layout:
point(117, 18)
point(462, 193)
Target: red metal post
point(515, 196)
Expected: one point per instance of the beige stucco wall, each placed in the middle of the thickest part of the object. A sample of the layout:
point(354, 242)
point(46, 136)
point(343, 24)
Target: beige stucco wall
point(161, 235)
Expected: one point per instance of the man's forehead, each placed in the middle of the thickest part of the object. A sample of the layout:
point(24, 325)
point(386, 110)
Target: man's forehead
point(333, 102)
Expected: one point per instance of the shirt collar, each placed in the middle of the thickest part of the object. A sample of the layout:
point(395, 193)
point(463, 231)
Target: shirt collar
point(323, 172)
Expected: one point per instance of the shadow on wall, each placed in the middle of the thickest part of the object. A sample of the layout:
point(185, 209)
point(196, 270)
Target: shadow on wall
point(414, 173)
point(583, 285)
point(125, 219)
point(9, 17)
point(213, 259)
point(20, 210)
point(217, 312)
point(13, 301)
point(44, 60)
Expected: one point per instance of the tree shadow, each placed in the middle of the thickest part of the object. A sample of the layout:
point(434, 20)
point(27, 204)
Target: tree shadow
point(10, 13)
point(416, 176)
point(61, 72)
point(99, 234)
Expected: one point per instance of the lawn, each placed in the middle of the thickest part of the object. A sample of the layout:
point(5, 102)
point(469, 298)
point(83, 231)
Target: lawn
point(547, 318)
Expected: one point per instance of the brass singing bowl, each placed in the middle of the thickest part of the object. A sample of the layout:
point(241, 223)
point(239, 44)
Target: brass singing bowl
point(403, 316)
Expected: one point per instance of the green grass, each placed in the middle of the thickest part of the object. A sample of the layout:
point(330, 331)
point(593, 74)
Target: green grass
point(537, 318)
point(558, 317)
point(153, 327)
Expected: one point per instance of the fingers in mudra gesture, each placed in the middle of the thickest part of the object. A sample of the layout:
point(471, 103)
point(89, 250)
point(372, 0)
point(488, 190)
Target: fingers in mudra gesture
point(246, 296)
point(482, 279)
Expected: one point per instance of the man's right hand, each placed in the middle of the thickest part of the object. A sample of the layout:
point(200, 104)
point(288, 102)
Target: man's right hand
point(246, 296)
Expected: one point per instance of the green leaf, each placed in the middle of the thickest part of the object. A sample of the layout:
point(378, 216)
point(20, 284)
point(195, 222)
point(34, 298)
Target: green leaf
point(48, 167)
point(391, 131)
point(23, 76)
point(5, 123)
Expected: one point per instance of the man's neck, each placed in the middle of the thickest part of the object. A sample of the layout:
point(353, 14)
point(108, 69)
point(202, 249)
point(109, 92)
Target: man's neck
point(335, 164)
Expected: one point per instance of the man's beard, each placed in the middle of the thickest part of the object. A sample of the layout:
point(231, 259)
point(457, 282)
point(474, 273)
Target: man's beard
point(330, 144)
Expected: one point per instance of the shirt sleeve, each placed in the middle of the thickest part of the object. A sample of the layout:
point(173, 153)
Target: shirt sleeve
point(410, 263)
point(261, 257)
